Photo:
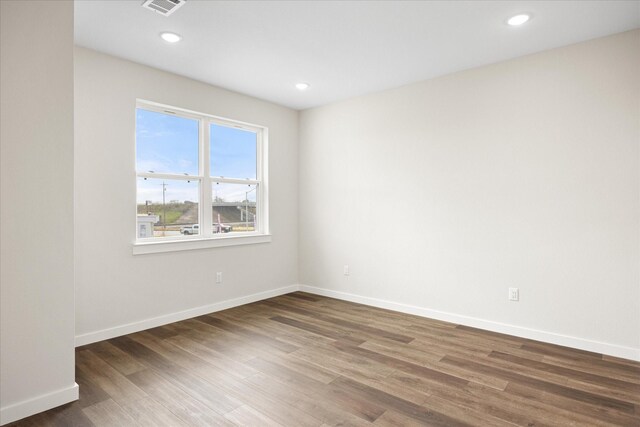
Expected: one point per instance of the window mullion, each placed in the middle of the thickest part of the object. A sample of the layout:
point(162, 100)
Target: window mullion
point(262, 207)
point(205, 191)
point(170, 176)
point(234, 180)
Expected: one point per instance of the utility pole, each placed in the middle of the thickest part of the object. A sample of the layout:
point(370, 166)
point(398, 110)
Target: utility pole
point(164, 208)
point(246, 209)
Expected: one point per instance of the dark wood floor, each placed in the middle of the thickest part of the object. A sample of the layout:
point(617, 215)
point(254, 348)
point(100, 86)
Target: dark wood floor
point(304, 360)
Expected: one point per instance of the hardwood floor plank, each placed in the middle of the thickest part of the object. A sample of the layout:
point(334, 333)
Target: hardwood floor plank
point(162, 332)
point(542, 385)
point(359, 333)
point(615, 393)
point(381, 314)
point(576, 375)
point(291, 377)
point(408, 353)
point(142, 354)
point(316, 401)
point(218, 360)
point(470, 408)
point(149, 413)
point(341, 322)
point(89, 393)
point(328, 307)
point(358, 404)
point(282, 367)
point(177, 328)
point(245, 415)
point(396, 388)
point(596, 367)
point(493, 336)
point(343, 363)
point(608, 416)
point(247, 333)
point(297, 337)
point(304, 296)
point(619, 360)
point(511, 408)
point(69, 415)
point(402, 365)
point(451, 346)
point(559, 351)
point(394, 419)
point(175, 354)
point(459, 341)
point(189, 381)
point(188, 409)
point(108, 414)
point(352, 389)
point(222, 342)
point(99, 372)
point(269, 402)
point(303, 367)
point(415, 355)
point(310, 327)
point(117, 358)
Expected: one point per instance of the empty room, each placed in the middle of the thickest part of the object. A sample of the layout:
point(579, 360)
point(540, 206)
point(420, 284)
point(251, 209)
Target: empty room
point(319, 213)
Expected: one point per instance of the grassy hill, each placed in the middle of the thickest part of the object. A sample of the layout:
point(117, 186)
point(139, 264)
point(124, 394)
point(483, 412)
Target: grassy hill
point(174, 211)
point(187, 213)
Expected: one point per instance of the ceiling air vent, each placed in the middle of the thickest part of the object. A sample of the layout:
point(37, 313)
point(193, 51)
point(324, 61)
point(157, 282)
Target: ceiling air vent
point(163, 7)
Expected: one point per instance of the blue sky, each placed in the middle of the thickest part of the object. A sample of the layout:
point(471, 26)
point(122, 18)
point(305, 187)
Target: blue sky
point(165, 143)
point(169, 144)
point(233, 152)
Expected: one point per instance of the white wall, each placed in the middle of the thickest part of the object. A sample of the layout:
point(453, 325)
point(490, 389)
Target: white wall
point(118, 292)
point(442, 194)
point(36, 214)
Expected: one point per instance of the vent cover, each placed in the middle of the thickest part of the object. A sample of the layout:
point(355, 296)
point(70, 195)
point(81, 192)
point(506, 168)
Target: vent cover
point(163, 7)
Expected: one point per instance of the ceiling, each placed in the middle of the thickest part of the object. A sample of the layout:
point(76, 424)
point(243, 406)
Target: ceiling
point(342, 48)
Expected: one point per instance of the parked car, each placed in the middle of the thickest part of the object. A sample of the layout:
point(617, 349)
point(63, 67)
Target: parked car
point(223, 227)
point(188, 230)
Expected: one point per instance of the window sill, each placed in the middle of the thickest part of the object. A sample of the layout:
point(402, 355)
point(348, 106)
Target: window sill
point(140, 248)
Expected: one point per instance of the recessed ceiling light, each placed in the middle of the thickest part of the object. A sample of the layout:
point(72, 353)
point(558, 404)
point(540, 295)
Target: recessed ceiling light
point(302, 86)
point(520, 19)
point(170, 37)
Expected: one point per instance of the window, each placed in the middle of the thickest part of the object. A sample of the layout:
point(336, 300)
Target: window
point(199, 177)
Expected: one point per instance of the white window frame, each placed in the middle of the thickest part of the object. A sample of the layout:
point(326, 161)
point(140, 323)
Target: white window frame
point(206, 238)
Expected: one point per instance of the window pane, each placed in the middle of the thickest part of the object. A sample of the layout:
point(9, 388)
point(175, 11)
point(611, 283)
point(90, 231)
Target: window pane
point(233, 152)
point(234, 207)
point(167, 207)
point(166, 143)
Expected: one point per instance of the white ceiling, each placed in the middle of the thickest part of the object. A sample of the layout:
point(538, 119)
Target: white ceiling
point(342, 48)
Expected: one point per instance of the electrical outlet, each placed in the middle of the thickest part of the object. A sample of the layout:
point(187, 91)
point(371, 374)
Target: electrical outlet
point(219, 277)
point(514, 294)
point(346, 270)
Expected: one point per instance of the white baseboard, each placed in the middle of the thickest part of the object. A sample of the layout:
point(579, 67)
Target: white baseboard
point(29, 407)
point(519, 331)
point(130, 328)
